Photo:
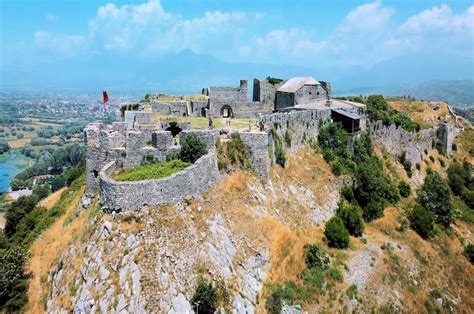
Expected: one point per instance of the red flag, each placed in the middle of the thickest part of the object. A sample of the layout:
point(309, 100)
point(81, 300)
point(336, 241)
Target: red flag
point(106, 97)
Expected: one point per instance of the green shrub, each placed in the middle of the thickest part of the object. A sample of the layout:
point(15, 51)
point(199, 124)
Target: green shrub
point(152, 171)
point(287, 138)
point(421, 221)
point(13, 280)
point(192, 148)
point(336, 233)
point(459, 176)
point(280, 157)
point(347, 193)
point(315, 257)
point(237, 152)
point(404, 188)
point(204, 299)
point(469, 252)
point(454, 147)
point(468, 197)
point(373, 210)
point(273, 303)
point(17, 211)
point(363, 147)
point(337, 167)
point(352, 292)
point(435, 196)
point(333, 138)
point(373, 184)
point(442, 162)
point(274, 80)
point(352, 219)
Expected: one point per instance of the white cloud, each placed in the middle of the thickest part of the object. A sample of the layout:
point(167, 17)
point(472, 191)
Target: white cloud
point(149, 29)
point(365, 35)
point(440, 19)
point(369, 16)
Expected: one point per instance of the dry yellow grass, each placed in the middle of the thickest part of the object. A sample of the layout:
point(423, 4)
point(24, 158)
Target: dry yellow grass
point(46, 250)
point(423, 112)
point(2, 220)
point(19, 143)
point(51, 199)
point(465, 144)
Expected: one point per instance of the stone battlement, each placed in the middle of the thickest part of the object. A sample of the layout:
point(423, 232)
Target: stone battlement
point(190, 182)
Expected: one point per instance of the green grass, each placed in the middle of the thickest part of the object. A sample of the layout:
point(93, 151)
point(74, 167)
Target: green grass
point(152, 171)
point(462, 211)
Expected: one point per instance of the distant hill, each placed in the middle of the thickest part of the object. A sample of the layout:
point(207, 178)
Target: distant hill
point(459, 93)
point(426, 76)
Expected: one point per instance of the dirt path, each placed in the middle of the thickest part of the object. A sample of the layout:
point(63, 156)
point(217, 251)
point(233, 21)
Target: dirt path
point(46, 250)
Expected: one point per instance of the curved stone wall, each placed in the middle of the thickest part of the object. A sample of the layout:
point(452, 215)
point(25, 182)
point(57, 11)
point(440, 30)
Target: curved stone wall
point(136, 195)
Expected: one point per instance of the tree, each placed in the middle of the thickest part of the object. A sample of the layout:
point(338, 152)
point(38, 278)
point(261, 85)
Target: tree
point(373, 184)
point(373, 210)
point(459, 176)
point(41, 191)
point(363, 147)
point(58, 182)
point(75, 153)
point(17, 210)
point(421, 221)
point(352, 218)
point(332, 138)
point(13, 282)
point(435, 196)
point(404, 188)
point(347, 193)
point(192, 148)
point(468, 197)
point(205, 297)
point(336, 233)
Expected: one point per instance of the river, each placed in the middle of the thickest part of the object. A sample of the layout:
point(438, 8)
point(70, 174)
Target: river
point(11, 164)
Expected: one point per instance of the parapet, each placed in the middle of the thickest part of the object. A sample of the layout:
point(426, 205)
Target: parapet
point(137, 195)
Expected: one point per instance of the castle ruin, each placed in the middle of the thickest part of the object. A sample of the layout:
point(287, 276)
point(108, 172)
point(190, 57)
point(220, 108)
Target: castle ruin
point(297, 106)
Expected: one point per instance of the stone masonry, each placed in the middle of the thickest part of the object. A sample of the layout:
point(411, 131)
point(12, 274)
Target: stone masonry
point(137, 195)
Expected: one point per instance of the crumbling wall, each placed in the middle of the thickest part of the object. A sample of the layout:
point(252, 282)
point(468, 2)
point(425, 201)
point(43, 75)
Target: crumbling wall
point(397, 140)
point(133, 119)
point(209, 137)
point(446, 134)
point(302, 126)
point(102, 146)
point(258, 148)
point(172, 107)
point(265, 92)
point(189, 183)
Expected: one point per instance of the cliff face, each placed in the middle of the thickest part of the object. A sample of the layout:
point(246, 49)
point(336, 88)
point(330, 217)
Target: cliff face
point(150, 261)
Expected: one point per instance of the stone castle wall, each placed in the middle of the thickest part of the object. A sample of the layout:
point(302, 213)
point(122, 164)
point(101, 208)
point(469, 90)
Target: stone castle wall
point(167, 108)
point(258, 145)
point(302, 126)
point(397, 140)
point(188, 183)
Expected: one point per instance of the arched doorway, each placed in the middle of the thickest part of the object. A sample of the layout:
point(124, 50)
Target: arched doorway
point(226, 111)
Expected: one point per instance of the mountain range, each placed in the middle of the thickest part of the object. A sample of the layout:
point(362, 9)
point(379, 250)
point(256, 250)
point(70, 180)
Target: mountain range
point(427, 76)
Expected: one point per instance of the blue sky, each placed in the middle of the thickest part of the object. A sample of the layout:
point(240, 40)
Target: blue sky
point(337, 33)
